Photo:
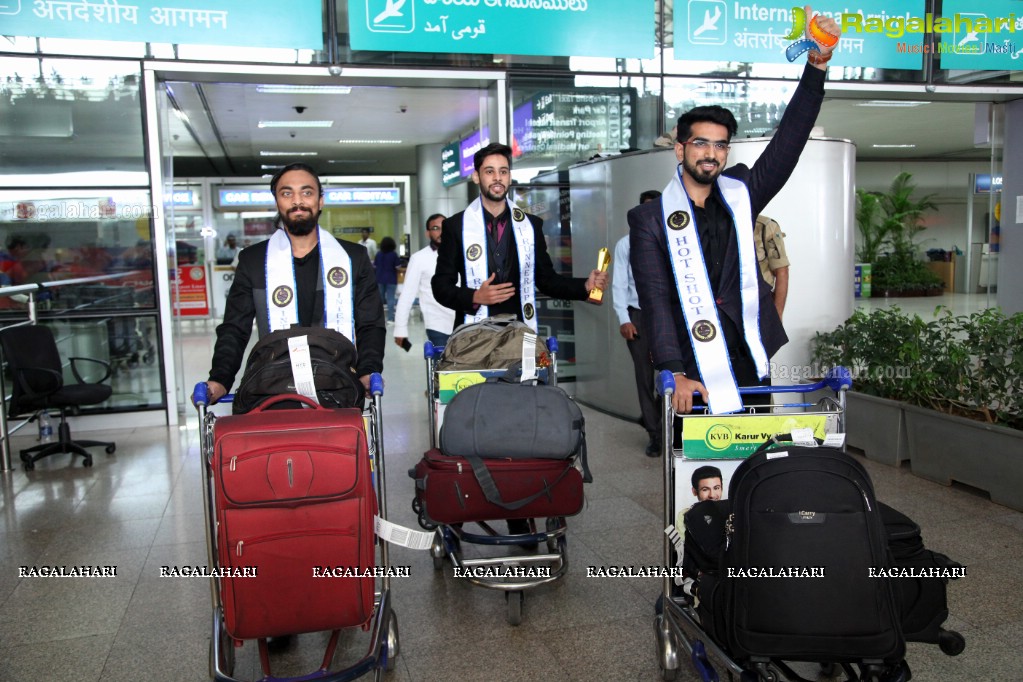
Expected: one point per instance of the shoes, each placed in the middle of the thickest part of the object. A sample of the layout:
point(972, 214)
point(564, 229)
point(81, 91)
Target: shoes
point(521, 527)
point(282, 643)
point(653, 448)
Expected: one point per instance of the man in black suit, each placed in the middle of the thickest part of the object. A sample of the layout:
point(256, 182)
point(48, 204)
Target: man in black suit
point(695, 245)
point(482, 249)
point(479, 271)
point(293, 255)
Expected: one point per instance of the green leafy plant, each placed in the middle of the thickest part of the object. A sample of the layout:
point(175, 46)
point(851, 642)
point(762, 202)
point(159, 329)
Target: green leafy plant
point(965, 365)
point(888, 223)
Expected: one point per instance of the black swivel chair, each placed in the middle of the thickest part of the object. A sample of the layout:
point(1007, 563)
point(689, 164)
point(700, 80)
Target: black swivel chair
point(38, 377)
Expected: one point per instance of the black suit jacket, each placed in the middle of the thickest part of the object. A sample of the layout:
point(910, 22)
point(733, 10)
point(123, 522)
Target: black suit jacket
point(663, 321)
point(246, 302)
point(451, 266)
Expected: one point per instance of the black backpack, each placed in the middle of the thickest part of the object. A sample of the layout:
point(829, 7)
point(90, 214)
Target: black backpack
point(795, 509)
point(268, 371)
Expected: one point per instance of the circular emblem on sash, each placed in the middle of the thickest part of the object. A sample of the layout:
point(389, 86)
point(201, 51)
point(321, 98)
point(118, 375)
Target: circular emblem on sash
point(337, 278)
point(518, 214)
point(704, 331)
point(679, 220)
point(474, 252)
point(528, 311)
point(282, 296)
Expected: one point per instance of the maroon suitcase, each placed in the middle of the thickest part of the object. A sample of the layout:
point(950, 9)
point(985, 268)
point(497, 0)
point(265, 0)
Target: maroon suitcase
point(449, 492)
point(294, 494)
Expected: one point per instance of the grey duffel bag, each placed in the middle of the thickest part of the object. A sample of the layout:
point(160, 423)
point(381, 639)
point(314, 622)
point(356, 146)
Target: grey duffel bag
point(499, 419)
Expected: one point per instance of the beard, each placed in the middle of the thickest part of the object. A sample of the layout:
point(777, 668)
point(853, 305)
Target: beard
point(492, 196)
point(702, 177)
point(300, 227)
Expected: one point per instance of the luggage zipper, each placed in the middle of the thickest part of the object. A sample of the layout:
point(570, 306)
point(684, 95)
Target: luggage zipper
point(291, 474)
point(240, 545)
point(729, 529)
point(234, 463)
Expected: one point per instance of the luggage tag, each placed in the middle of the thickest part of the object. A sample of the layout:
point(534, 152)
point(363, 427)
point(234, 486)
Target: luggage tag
point(302, 367)
point(402, 536)
point(804, 437)
point(834, 440)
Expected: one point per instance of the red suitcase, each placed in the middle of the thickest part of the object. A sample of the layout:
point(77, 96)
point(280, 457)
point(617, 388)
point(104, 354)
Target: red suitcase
point(448, 491)
point(294, 495)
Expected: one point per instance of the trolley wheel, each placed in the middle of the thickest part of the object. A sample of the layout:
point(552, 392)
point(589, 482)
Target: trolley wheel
point(514, 600)
point(951, 642)
point(393, 645)
point(26, 457)
point(829, 669)
point(417, 505)
point(437, 551)
point(87, 462)
point(111, 448)
point(29, 465)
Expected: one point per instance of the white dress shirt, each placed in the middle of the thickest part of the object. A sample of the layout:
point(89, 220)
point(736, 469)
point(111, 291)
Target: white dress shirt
point(623, 284)
point(421, 267)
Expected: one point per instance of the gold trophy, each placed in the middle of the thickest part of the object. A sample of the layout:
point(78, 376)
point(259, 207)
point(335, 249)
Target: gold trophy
point(603, 261)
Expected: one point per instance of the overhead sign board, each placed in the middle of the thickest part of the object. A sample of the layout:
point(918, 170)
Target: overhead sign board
point(244, 23)
point(240, 197)
point(874, 32)
point(577, 122)
point(581, 28)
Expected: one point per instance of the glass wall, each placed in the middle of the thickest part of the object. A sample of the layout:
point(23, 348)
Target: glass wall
point(101, 241)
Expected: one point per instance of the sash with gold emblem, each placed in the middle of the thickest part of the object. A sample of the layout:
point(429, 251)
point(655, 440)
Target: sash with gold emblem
point(477, 270)
point(338, 289)
point(703, 325)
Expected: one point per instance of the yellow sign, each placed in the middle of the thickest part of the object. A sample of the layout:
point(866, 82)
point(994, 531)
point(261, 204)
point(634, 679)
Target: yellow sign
point(723, 437)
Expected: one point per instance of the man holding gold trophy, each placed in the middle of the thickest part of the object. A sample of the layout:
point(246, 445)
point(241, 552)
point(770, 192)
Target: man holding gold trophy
point(493, 256)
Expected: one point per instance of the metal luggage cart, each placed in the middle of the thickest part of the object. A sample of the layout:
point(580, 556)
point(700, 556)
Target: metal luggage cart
point(677, 626)
point(448, 539)
point(384, 642)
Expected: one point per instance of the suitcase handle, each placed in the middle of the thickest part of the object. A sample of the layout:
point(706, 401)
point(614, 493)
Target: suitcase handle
point(269, 402)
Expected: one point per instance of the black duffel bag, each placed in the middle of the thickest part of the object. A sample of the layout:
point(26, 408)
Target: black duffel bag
point(268, 372)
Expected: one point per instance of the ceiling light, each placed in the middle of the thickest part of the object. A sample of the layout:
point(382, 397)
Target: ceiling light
point(288, 153)
point(295, 124)
point(266, 166)
point(894, 146)
point(304, 89)
point(890, 103)
point(346, 141)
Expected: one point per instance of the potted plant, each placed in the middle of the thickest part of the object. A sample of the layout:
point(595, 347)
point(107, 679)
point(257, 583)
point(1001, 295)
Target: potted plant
point(888, 224)
point(953, 390)
point(864, 343)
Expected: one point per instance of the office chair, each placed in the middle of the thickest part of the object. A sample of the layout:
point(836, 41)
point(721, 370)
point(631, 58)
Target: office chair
point(38, 377)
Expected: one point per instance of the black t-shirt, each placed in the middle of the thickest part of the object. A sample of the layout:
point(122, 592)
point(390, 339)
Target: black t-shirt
point(307, 270)
point(716, 228)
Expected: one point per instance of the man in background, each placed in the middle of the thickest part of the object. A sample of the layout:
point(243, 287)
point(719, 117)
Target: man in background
point(772, 259)
point(626, 304)
point(369, 243)
point(421, 266)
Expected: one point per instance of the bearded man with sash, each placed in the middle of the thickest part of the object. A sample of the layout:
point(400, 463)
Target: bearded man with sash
point(493, 256)
point(302, 276)
point(707, 312)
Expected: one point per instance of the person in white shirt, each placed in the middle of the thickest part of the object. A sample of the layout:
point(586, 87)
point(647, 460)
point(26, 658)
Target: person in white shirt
point(421, 266)
point(626, 304)
point(369, 243)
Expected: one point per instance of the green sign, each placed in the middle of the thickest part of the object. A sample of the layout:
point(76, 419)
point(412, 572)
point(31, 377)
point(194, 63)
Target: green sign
point(244, 23)
point(986, 36)
point(585, 28)
point(766, 32)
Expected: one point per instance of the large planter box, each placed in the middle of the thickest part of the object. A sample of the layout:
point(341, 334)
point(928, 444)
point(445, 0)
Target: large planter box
point(877, 427)
point(944, 448)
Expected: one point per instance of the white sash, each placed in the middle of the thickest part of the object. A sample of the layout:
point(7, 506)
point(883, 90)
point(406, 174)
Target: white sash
point(703, 325)
point(477, 269)
point(338, 289)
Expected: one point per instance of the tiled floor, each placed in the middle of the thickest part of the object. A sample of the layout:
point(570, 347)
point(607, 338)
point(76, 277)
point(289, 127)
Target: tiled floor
point(140, 509)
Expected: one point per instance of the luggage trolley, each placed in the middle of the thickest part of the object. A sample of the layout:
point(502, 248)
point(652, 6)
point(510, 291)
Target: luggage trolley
point(384, 643)
point(677, 627)
point(449, 537)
